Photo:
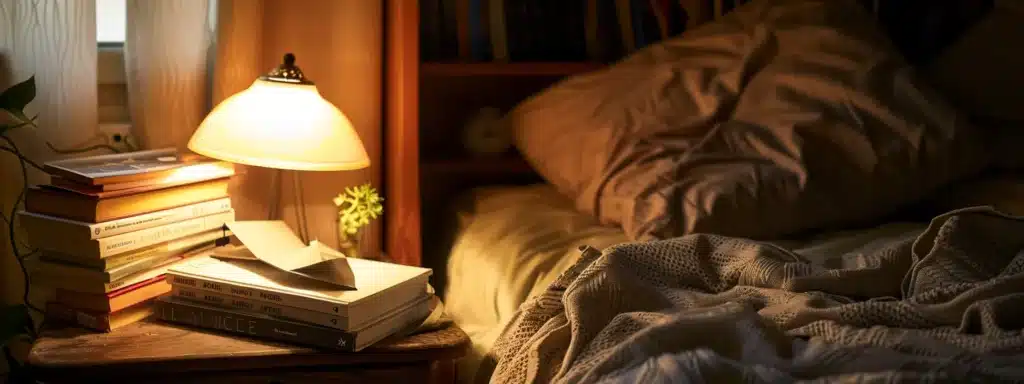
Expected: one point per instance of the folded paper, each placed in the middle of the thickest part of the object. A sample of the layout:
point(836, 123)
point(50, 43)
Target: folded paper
point(274, 243)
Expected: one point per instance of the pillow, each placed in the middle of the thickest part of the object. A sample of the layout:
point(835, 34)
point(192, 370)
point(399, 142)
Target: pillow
point(781, 117)
point(982, 74)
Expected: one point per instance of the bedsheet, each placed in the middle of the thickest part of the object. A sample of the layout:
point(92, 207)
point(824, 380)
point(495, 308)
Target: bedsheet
point(514, 241)
point(940, 305)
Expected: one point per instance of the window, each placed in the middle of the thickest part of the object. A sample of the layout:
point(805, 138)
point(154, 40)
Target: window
point(110, 32)
point(110, 21)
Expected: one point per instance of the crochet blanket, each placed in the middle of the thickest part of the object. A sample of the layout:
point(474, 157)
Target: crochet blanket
point(946, 305)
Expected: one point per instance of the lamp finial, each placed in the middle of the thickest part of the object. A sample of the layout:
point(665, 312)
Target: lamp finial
point(287, 72)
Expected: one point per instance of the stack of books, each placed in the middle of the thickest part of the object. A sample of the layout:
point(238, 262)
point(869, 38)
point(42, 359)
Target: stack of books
point(107, 228)
point(252, 298)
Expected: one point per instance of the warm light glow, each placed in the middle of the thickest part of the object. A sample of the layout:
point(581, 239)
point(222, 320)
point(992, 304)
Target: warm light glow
point(277, 125)
point(198, 172)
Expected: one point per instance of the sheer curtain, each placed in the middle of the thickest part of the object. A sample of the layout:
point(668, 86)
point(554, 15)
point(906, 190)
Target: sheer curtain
point(54, 40)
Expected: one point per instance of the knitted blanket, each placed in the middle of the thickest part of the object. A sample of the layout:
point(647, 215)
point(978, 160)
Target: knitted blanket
point(946, 305)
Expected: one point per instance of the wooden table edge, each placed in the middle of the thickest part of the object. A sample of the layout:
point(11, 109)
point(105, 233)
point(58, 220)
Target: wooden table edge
point(47, 368)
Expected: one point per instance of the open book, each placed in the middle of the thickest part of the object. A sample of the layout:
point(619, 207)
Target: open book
point(272, 242)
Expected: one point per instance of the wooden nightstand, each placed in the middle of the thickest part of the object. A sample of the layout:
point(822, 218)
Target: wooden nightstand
point(155, 352)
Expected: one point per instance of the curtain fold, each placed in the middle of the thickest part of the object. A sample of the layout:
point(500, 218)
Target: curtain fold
point(54, 40)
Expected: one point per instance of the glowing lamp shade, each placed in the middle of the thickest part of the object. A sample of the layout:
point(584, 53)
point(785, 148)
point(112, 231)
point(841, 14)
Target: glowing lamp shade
point(280, 124)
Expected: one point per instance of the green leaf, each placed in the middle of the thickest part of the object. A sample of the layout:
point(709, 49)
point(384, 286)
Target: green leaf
point(15, 98)
point(14, 321)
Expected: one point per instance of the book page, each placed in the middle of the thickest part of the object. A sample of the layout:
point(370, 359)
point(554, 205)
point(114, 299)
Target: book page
point(274, 243)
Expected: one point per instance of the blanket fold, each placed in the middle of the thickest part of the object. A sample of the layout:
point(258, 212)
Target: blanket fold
point(944, 304)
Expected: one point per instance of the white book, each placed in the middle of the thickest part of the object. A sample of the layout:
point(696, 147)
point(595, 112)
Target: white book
point(405, 316)
point(127, 242)
point(42, 227)
point(379, 286)
point(267, 308)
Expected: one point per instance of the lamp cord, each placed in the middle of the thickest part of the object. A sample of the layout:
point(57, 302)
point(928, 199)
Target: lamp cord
point(275, 200)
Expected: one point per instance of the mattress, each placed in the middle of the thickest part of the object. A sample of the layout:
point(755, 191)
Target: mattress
point(512, 242)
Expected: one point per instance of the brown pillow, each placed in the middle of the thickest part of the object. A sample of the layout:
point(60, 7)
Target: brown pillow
point(983, 73)
point(781, 117)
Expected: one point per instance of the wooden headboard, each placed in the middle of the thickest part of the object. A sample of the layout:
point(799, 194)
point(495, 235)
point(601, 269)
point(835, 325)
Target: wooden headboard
point(427, 102)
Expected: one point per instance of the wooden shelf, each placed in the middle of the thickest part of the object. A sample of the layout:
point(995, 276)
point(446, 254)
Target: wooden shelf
point(509, 69)
point(478, 166)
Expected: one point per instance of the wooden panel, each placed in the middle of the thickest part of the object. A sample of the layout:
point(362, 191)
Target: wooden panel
point(402, 202)
point(166, 44)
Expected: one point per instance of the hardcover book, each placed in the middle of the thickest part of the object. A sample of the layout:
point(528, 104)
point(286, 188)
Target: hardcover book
point(125, 167)
point(100, 321)
point(127, 242)
point(78, 231)
point(93, 209)
point(267, 327)
point(116, 300)
point(379, 285)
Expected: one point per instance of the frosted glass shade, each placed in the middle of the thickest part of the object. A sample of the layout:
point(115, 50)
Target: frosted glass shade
point(280, 125)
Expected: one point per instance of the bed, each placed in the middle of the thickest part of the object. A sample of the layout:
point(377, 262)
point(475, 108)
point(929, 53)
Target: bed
point(514, 241)
point(652, 252)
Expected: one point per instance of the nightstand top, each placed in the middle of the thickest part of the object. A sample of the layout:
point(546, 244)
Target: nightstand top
point(152, 347)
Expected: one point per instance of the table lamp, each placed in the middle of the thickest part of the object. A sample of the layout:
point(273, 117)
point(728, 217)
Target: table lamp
point(281, 122)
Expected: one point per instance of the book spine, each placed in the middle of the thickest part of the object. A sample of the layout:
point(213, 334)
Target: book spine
point(259, 294)
point(176, 246)
point(128, 242)
point(156, 219)
point(142, 276)
point(267, 308)
point(499, 34)
point(140, 266)
point(254, 325)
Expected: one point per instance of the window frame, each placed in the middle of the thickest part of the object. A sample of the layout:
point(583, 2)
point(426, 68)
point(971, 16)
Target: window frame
point(112, 85)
